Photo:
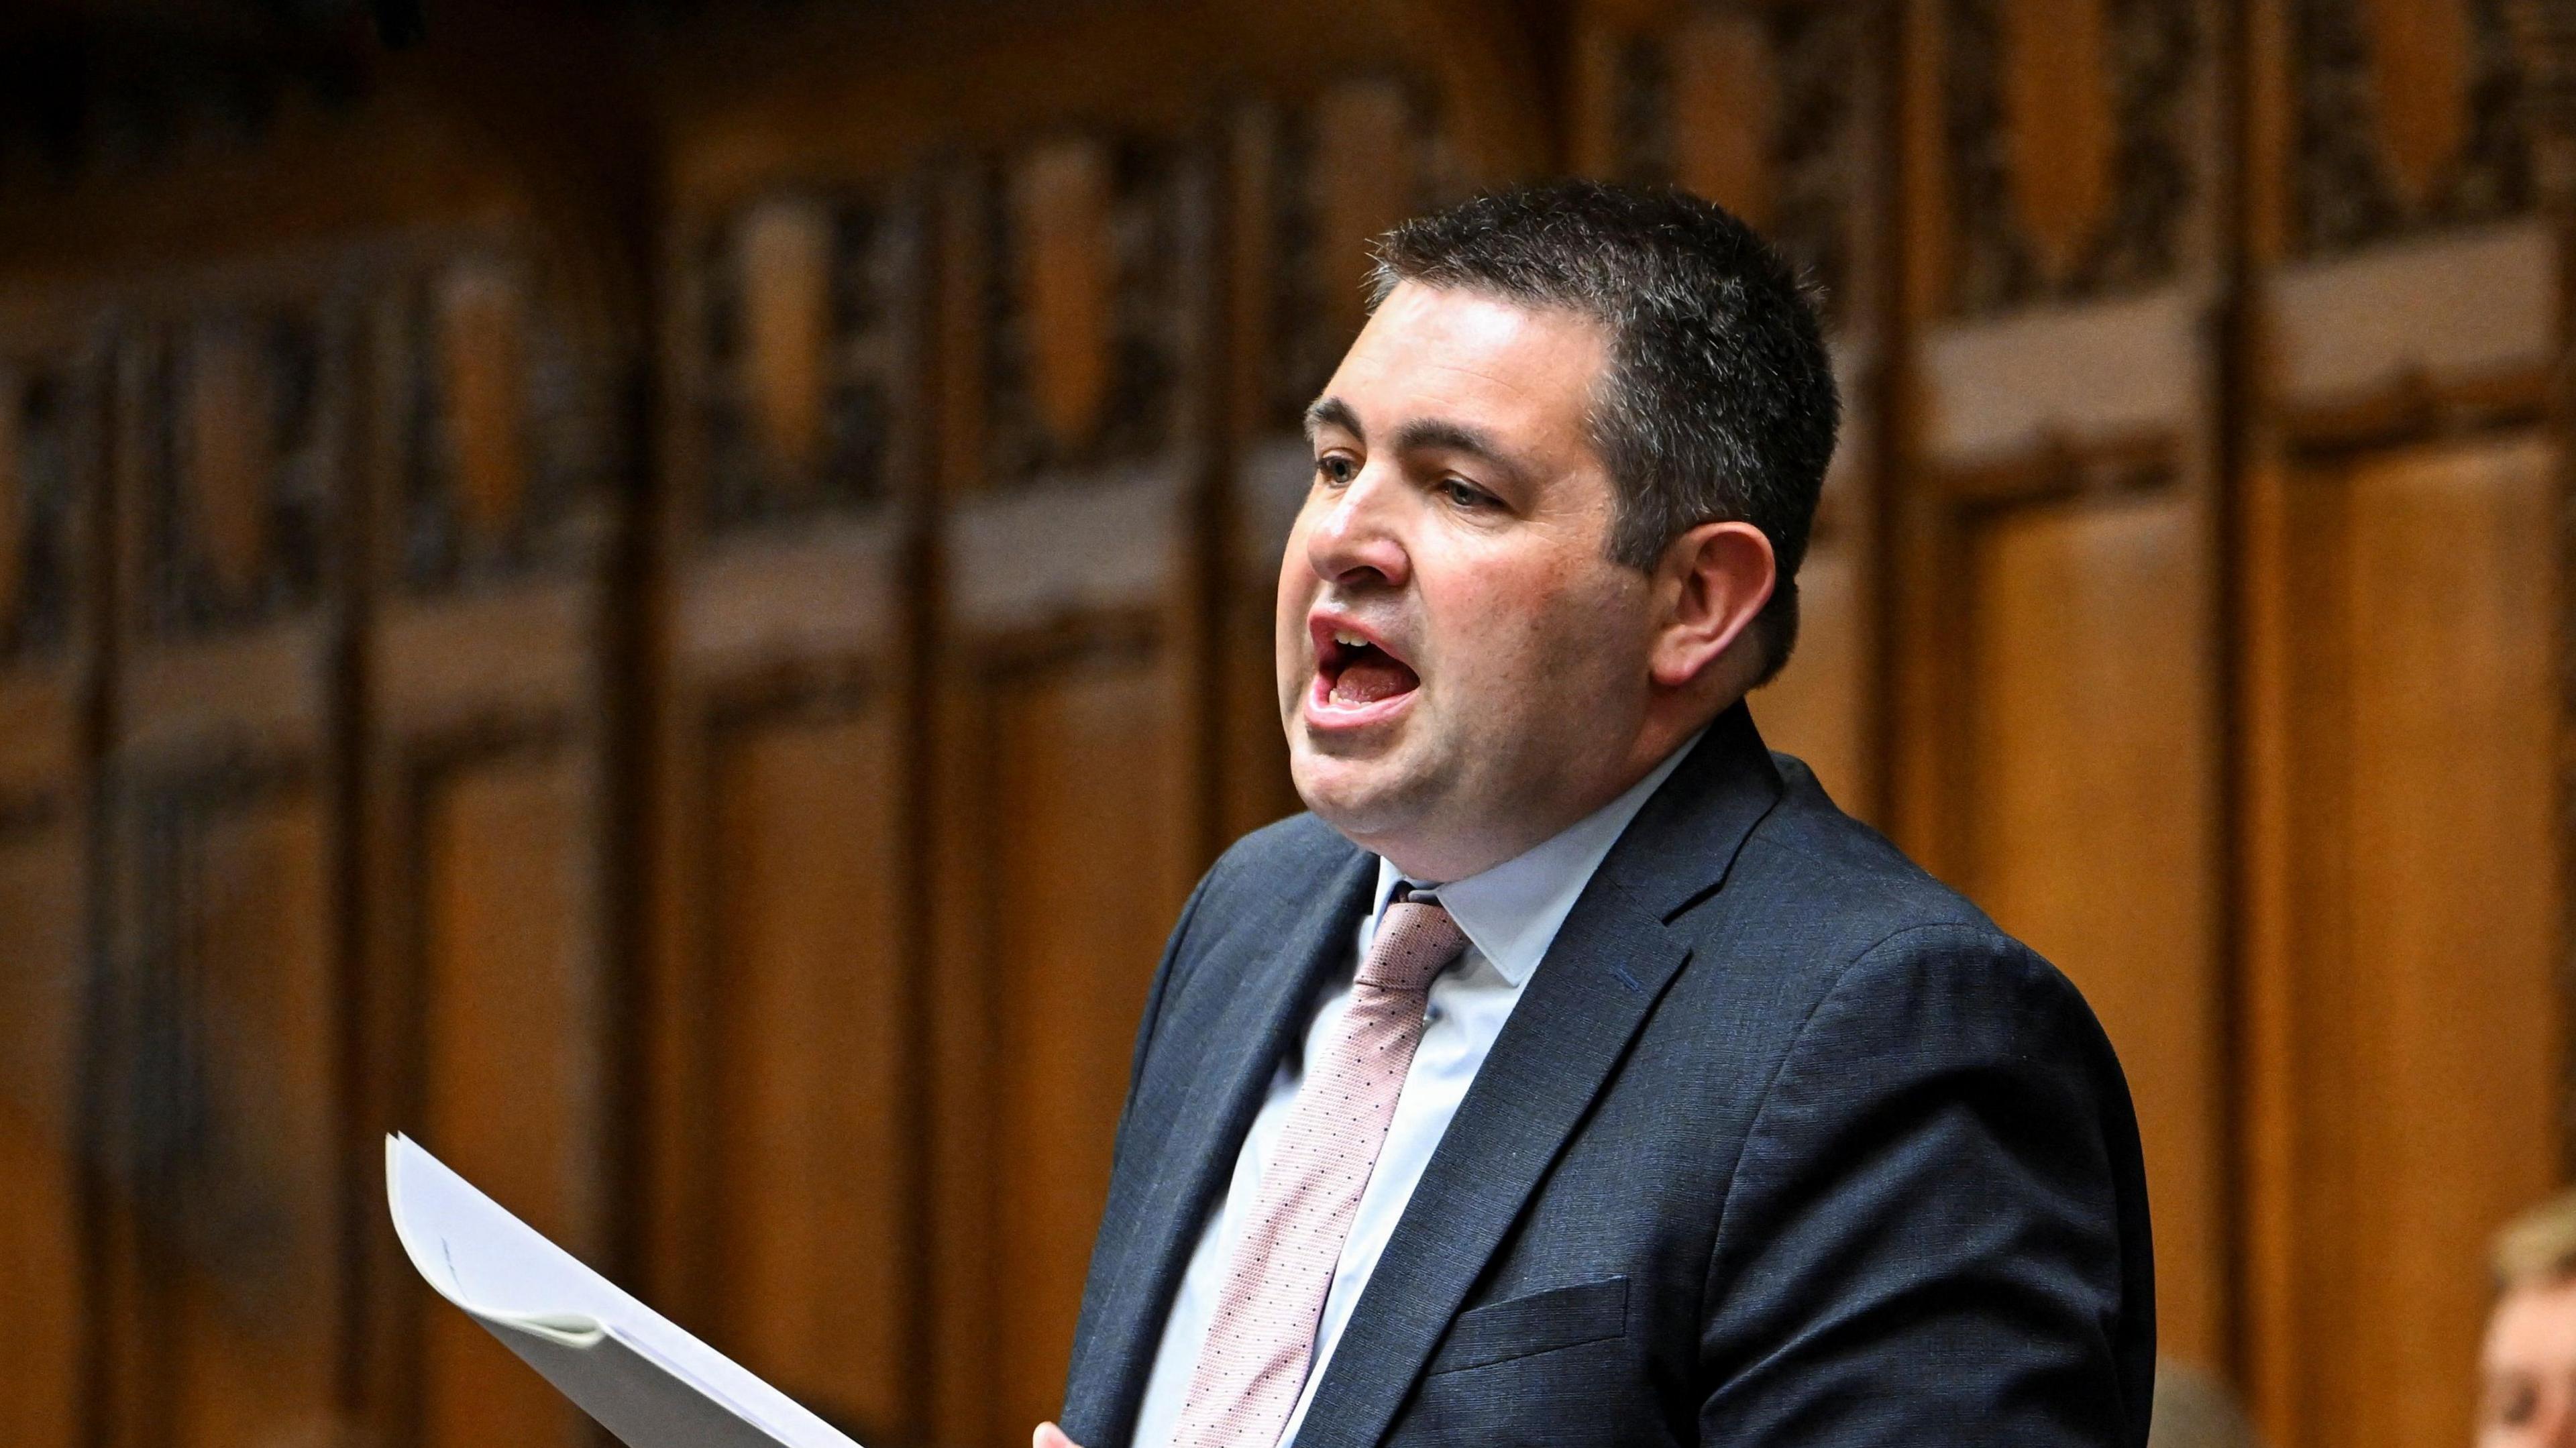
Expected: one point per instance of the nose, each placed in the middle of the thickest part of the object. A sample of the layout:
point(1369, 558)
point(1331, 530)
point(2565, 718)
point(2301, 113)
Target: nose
point(1358, 539)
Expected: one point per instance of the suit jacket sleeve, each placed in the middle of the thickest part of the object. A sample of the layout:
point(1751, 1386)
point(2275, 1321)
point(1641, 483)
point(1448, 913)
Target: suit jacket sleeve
point(1936, 1232)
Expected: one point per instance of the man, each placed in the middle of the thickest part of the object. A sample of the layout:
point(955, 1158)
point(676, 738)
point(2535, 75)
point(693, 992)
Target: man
point(2527, 1396)
point(1576, 1073)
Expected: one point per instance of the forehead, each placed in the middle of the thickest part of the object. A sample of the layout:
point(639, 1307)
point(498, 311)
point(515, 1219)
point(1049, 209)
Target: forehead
point(1451, 350)
point(2534, 1326)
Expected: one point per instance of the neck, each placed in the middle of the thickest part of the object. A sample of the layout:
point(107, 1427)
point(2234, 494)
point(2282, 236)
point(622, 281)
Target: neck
point(1525, 825)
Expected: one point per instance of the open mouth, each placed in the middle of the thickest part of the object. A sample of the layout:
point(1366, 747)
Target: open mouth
point(1355, 673)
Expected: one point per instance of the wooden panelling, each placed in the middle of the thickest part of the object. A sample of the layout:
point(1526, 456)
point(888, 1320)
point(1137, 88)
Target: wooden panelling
point(1819, 707)
point(491, 1028)
point(819, 1092)
point(1083, 862)
point(228, 1113)
point(224, 1024)
point(758, 889)
point(2094, 823)
point(2057, 719)
point(511, 1088)
point(49, 437)
point(42, 1148)
point(2421, 1052)
point(786, 321)
point(786, 1212)
point(1073, 763)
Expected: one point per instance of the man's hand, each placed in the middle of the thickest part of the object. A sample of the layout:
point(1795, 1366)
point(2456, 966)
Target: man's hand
point(1049, 1435)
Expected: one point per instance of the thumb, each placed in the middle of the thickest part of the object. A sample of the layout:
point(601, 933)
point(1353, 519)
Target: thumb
point(1049, 1435)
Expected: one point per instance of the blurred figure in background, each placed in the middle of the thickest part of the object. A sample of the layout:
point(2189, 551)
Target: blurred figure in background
point(2527, 1389)
point(2196, 1410)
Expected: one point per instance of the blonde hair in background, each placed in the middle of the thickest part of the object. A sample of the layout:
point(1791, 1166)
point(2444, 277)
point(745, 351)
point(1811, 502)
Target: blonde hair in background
point(2537, 1247)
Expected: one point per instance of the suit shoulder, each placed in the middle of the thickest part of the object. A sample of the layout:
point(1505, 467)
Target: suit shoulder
point(1283, 858)
point(1872, 924)
point(1846, 883)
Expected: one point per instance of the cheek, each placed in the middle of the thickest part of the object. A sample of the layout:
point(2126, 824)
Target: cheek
point(1297, 588)
point(1544, 632)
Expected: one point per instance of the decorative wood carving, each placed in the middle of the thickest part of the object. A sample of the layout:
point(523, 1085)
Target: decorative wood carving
point(1356, 161)
point(1756, 107)
point(1087, 307)
point(2021, 237)
point(2418, 66)
point(804, 349)
point(45, 425)
point(2410, 116)
point(2057, 119)
point(502, 425)
point(787, 268)
point(240, 437)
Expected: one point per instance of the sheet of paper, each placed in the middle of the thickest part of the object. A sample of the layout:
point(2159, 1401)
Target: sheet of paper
point(644, 1379)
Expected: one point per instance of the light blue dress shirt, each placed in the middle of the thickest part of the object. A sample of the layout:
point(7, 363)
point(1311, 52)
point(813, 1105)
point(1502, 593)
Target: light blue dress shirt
point(1510, 915)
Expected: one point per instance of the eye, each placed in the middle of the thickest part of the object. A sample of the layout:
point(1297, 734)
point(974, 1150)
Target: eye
point(1466, 494)
point(1334, 469)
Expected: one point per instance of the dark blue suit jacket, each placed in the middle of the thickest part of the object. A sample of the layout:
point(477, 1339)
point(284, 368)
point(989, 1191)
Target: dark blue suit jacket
point(1785, 1143)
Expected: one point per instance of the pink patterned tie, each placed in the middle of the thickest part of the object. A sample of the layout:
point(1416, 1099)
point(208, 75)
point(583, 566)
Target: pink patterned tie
point(1258, 1345)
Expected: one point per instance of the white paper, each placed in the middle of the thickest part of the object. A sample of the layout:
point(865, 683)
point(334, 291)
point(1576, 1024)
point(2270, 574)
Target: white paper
point(644, 1379)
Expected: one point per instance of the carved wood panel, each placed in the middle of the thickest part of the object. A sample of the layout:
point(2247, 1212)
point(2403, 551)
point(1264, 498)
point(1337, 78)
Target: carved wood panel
point(1772, 111)
point(2407, 115)
point(1073, 733)
point(797, 358)
point(1088, 323)
point(2073, 148)
point(223, 1028)
point(240, 408)
point(49, 435)
point(500, 424)
point(789, 1205)
point(491, 1025)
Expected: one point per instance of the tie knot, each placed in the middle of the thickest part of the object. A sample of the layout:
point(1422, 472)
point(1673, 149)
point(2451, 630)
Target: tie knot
point(1415, 941)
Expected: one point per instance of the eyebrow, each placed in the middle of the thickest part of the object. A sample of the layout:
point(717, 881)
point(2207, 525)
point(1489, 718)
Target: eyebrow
point(1425, 433)
point(1326, 412)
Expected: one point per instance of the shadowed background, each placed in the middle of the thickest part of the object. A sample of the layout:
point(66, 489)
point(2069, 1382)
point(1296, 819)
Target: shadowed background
point(670, 596)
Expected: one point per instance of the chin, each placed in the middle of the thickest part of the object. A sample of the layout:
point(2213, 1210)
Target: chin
point(1369, 800)
point(1348, 794)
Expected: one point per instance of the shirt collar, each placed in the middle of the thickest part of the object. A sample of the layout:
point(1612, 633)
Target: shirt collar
point(1511, 913)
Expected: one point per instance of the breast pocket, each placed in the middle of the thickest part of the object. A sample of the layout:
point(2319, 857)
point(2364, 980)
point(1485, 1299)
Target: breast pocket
point(1519, 1327)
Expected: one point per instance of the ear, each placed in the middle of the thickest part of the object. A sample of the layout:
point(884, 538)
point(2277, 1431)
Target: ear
point(1709, 587)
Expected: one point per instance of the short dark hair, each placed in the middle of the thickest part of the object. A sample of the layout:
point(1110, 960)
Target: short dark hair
point(1719, 402)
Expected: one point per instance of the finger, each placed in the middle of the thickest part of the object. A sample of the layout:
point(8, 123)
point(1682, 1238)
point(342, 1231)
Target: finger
point(1049, 1435)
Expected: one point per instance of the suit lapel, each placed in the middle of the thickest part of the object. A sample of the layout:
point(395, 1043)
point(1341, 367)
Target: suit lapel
point(1197, 1118)
point(1599, 980)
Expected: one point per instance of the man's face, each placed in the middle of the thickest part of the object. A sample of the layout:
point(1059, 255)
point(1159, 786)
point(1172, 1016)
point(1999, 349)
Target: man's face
point(2528, 1392)
point(1462, 668)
